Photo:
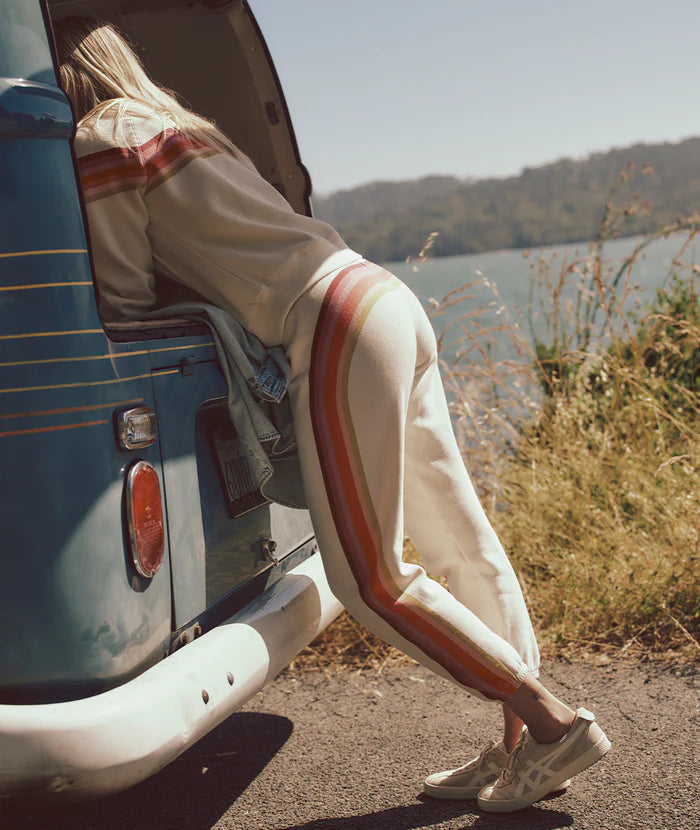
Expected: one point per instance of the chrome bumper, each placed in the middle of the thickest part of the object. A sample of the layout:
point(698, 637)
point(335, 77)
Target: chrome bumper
point(108, 742)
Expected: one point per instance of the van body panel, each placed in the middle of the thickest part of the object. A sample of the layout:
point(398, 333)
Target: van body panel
point(24, 49)
point(77, 749)
point(92, 623)
point(211, 552)
point(92, 650)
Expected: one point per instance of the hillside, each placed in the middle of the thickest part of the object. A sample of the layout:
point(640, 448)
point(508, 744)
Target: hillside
point(558, 202)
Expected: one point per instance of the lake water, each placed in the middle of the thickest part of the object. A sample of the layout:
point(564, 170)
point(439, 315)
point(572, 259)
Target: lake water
point(486, 347)
point(511, 273)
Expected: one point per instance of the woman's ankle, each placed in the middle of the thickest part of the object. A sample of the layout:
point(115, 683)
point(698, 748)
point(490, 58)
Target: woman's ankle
point(512, 728)
point(548, 719)
point(549, 733)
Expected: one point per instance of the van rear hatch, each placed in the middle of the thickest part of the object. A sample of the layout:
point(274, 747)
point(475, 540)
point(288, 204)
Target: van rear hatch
point(212, 53)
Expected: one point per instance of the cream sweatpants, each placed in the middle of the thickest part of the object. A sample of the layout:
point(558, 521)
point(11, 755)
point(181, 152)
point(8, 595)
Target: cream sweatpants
point(379, 459)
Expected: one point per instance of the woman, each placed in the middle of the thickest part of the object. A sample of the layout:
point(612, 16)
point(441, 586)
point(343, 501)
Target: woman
point(167, 193)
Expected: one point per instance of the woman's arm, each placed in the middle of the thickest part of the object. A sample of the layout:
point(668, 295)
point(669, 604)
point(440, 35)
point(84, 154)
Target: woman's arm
point(113, 178)
point(121, 255)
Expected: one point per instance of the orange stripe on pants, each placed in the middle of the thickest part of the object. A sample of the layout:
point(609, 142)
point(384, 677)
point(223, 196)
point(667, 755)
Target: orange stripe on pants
point(369, 407)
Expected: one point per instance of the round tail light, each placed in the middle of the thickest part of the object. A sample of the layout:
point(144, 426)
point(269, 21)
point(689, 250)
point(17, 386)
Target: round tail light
point(144, 515)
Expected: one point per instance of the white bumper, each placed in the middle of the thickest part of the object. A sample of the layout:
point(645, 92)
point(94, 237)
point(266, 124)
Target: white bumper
point(110, 741)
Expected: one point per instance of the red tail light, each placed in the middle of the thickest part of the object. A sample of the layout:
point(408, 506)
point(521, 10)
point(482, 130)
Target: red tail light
point(144, 515)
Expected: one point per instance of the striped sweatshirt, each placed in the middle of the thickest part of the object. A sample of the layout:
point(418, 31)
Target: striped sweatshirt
point(162, 204)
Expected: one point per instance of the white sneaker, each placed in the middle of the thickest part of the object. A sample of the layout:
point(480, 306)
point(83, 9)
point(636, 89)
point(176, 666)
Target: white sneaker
point(533, 769)
point(468, 781)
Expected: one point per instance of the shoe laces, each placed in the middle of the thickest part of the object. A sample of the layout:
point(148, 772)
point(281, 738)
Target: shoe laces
point(509, 771)
point(476, 762)
point(486, 750)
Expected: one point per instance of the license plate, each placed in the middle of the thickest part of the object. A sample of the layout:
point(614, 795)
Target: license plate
point(240, 492)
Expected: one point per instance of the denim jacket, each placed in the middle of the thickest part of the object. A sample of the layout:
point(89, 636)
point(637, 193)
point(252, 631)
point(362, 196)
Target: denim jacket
point(257, 379)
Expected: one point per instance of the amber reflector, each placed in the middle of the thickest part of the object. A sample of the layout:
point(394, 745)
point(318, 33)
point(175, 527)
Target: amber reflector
point(145, 517)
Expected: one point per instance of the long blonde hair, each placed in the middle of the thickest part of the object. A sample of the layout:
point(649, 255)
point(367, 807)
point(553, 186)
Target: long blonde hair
point(98, 66)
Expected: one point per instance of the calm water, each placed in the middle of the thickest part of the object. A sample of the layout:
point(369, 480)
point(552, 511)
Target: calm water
point(510, 272)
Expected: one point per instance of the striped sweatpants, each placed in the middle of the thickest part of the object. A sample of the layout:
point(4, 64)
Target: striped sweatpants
point(379, 459)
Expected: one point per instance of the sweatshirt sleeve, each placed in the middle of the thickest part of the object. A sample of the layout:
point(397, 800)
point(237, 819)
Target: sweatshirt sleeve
point(121, 256)
point(113, 179)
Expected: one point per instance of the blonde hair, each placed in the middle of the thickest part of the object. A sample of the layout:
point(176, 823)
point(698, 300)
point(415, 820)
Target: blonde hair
point(98, 67)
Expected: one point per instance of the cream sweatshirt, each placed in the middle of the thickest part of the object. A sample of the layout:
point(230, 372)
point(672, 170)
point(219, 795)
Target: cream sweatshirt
point(160, 203)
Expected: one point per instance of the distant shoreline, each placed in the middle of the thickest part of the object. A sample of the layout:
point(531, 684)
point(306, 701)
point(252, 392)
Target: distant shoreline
point(622, 193)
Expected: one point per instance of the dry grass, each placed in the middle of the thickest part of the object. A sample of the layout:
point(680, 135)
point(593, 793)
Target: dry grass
point(584, 448)
point(600, 511)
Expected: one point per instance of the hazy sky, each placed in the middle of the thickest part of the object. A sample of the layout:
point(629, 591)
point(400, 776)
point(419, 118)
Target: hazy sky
point(397, 89)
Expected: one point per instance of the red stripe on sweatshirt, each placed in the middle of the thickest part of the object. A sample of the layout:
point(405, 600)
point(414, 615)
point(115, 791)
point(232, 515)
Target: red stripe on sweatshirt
point(144, 166)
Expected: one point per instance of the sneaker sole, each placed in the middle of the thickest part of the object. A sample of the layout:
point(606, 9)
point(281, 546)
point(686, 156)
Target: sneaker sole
point(451, 793)
point(590, 757)
point(464, 793)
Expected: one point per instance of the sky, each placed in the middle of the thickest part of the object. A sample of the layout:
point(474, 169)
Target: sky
point(399, 89)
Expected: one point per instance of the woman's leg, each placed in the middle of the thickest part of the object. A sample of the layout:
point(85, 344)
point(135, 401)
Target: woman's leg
point(447, 524)
point(512, 728)
point(355, 342)
point(355, 346)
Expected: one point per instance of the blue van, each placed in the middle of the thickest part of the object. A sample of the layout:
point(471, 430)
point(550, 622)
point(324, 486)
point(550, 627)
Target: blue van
point(147, 590)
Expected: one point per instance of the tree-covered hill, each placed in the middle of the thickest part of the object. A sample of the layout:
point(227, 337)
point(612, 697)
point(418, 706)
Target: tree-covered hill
point(559, 202)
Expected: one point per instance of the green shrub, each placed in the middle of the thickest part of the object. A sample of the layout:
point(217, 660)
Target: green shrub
point(599, 501)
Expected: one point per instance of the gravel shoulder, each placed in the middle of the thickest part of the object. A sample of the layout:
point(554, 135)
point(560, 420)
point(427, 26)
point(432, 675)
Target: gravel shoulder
point(349, 752)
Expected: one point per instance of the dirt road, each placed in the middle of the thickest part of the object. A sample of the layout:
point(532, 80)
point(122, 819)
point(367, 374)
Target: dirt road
point(349, 753)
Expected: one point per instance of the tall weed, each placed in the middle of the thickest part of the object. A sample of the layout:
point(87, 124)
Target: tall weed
point(593, 488)
point(583, 444)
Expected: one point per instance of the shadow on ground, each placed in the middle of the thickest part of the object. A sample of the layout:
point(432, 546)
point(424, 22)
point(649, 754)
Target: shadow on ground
point(194, 791)
point(429, 813)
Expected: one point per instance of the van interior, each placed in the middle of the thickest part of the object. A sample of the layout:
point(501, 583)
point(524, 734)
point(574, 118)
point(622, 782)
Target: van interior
point(212, 54)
